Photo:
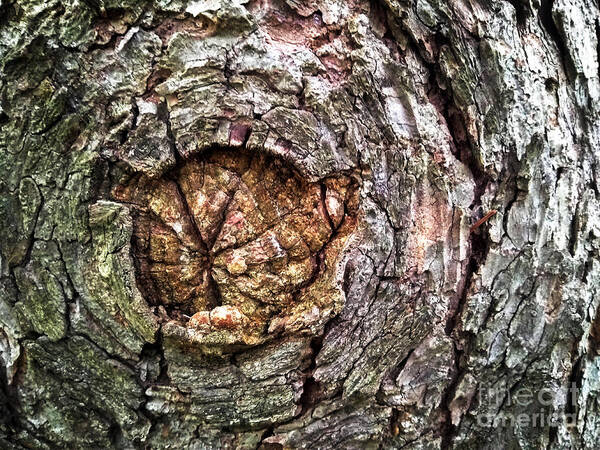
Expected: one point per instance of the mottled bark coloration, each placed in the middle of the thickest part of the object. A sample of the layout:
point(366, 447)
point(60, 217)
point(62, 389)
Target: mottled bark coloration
point(256, 224)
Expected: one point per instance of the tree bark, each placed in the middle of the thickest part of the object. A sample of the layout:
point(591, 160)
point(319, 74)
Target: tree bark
point(283, 224)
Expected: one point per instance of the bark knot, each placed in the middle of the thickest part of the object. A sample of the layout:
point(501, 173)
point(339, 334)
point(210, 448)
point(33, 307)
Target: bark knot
point(235, 239)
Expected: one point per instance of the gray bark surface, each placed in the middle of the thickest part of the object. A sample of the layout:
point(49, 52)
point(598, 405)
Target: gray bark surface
point(358, 142)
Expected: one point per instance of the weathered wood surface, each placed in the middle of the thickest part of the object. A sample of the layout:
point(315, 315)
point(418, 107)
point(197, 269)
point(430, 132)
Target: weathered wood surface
point(301, 179)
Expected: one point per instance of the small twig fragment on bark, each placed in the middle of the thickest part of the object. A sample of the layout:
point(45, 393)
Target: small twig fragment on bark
point(483, 220)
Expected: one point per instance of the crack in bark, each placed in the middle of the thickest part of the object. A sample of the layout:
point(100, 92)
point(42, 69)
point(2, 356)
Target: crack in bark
point(546, 18)
point(311, 389)
point(479, 243)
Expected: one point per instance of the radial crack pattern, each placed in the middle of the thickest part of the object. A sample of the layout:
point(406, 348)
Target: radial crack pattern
point(234, 238)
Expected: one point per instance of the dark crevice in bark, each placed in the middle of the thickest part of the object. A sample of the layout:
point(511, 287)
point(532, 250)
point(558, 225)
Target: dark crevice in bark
point(311, 390)
point(70, 302)
point(67, 274)
point(163, 376)
point(164, 115)
point(477, 253)
point(324, 206)
point(266, 445)
point(111, 44)
point(8, 401)
point(391, 376)
point(573, 236)
point(115, 435)
point(135, 112)
point(213, 292)
point(597, 29)
point(400, 367)
point(547, 20)
point(522, 11)
point(479, 248)
point(479, 238)
point(395, 421)
point(311, 395)
point(114, 13)
point(15, 422)
point(4, 119)
point(349, 271)
point(145, 284)
point(151, 351)
point(129, 364)
point(443, 99)
point(464, 151)
point(211, 240)
point(594, 336)
point(552, 435)
point(156, 77)
point(587, 268)
point(7, 12)
point(448, 429)
point(573, 389)
point(9, 284)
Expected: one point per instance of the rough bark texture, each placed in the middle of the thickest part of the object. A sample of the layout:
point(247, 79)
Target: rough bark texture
point(248, 224)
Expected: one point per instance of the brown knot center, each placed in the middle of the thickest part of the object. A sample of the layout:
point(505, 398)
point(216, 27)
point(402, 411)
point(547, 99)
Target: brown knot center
point(235, 233)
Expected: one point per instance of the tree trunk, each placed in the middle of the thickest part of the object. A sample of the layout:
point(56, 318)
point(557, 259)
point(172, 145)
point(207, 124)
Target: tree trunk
point(283, 224)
